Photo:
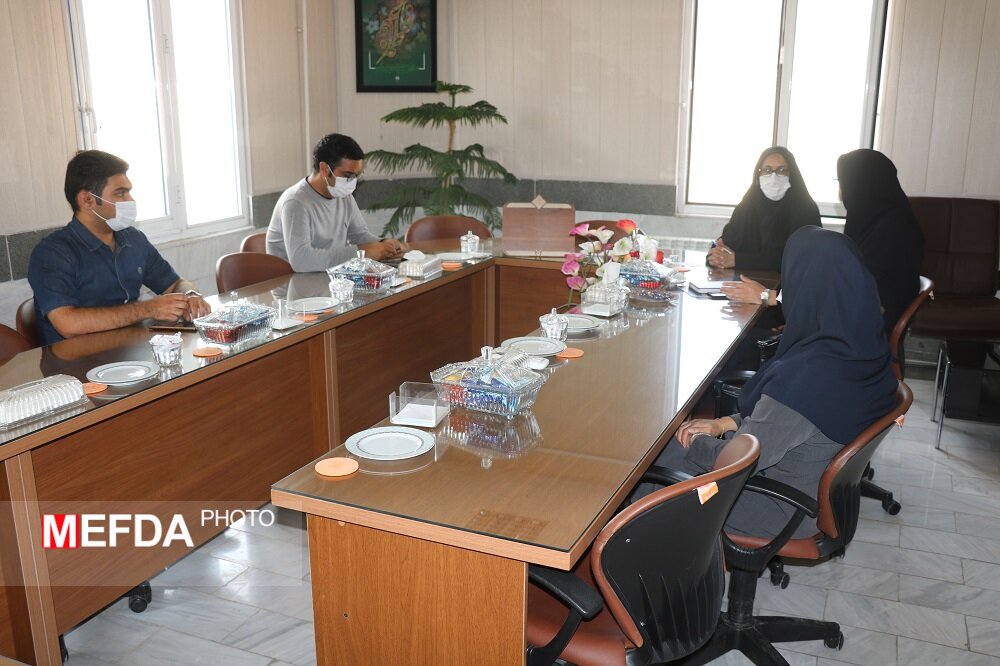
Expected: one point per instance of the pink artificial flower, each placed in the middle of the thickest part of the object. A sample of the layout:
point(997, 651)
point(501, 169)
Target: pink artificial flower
point(582, 229)
point(628, 226)
point(577, 282)
point(570, 267)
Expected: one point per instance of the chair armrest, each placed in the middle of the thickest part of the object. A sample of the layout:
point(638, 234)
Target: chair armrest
point(567, 588)
point(785, 493)
point(664, 475)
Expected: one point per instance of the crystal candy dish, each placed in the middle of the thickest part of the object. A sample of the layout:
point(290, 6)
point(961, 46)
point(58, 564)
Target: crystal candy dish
point(366, 274)
point(236, 324)
point(646, 274)
point(39, 398)
point(488, 384)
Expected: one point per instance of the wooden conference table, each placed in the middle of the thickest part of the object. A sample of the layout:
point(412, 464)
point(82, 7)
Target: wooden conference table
point(425, 560)
point(217, 433)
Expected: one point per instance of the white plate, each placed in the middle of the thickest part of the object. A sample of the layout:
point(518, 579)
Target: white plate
point(124, 372)
point(578, 323)
point(462, 256)
point(389, 443)
point(311, 305)
point(535, 346)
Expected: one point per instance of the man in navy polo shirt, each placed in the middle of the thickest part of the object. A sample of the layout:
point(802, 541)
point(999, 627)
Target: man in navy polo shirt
point(87, 275)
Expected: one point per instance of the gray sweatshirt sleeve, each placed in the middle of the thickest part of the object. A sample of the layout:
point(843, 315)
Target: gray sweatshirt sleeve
point(307, 246)
point(357, 229)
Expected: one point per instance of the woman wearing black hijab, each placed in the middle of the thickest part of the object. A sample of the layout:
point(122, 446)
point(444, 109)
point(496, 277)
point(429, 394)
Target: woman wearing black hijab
point(881, 222)
point(830, 379)
point(776, 204)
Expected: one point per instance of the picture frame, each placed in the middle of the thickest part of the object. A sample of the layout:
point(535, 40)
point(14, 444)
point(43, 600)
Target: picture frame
point(396, 45)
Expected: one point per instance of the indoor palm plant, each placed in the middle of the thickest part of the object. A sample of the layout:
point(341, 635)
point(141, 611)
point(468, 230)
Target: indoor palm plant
point(448, 168)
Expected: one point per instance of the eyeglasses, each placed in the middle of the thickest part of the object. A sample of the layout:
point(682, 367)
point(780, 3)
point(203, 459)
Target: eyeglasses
point(767, 171)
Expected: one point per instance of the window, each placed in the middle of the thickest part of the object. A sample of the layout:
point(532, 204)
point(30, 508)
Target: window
point(798, 73)
point(158, 87)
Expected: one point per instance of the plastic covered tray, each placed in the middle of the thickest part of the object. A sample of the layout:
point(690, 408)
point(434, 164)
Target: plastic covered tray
point(27, 402)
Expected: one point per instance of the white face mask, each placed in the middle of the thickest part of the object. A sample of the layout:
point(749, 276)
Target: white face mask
point(125, 214)
point(342, 187)
point(774, 186)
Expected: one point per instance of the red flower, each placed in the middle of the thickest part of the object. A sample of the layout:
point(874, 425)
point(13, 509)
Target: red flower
point(628, 226)
point(582, 229)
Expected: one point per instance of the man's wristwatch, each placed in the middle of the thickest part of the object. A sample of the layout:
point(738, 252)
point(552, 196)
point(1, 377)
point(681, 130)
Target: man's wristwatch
point(765, 296)
point(193, 292)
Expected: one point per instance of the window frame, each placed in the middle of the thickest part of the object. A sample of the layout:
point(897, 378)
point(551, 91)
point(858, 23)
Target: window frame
point(877, 38)
point(174, 225)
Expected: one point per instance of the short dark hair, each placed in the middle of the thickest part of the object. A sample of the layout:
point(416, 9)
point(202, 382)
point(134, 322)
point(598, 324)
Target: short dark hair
point(334, 147)
point(89, 170)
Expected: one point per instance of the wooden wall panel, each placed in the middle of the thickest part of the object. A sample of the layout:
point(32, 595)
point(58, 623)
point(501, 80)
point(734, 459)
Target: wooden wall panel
point(37, 109)
point(954, 92)
point(982, 173)
point(274, 89)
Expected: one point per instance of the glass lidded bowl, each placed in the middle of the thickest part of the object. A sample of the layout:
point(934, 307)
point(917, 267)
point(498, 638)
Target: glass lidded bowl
point(366, 274)
point(236, 324)
point(645, 274)
point(488, 384)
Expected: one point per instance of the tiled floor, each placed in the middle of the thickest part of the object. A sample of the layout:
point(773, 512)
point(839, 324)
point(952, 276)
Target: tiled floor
point(919, 588)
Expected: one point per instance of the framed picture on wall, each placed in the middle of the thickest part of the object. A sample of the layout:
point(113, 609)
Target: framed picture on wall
point(396, 43)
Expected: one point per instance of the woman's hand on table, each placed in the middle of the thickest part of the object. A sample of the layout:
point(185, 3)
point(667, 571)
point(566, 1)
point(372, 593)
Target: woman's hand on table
point(746, 291)
point(721, 256)
point(712, 427)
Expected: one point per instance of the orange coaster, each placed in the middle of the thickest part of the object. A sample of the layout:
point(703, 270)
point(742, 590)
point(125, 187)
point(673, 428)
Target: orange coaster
point(206, 352)
point(305, 317)
point(337, 466)
point(682, 269)
point(90, 388)
point(450, 265)
point(570, 352)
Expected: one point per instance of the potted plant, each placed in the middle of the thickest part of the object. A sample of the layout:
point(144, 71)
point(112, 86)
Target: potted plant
point(448, 168)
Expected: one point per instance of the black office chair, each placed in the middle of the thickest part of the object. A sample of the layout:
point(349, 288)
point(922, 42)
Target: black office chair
point(659, 595)
point(836, 515)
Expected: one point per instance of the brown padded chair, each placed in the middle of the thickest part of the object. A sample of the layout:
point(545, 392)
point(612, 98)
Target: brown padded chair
point(27, 322)
point(12, 343)
point(256, 242)
point(659, 595)
point(239, 269)
point(836, 515)
point(896, 340)
point(961, 256)
point(434, 227)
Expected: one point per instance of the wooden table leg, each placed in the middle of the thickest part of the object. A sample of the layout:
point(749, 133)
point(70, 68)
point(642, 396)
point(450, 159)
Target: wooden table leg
point(382, 598)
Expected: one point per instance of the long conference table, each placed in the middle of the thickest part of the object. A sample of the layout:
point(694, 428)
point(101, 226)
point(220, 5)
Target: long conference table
point(419, 561)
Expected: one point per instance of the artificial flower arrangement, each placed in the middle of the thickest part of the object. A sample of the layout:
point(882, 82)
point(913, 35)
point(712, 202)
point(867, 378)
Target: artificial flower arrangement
point(583, 268)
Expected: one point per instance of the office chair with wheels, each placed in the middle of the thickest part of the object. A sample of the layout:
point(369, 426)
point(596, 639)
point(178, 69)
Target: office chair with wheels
point(435, 227)
point(27, 322)
point(836, 515)
point(657, 596)
point(255, 242)
point(240, 269)
point(896, 340)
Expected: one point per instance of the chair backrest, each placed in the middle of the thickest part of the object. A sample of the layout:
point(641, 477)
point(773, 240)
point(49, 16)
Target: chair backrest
point(434, 227)
point(659, 563)
point(898, 335)
point(256, 242)
point(27, 323)
point(239, 269)
point(961, 244)
point(840, 486)
point(12, 343)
